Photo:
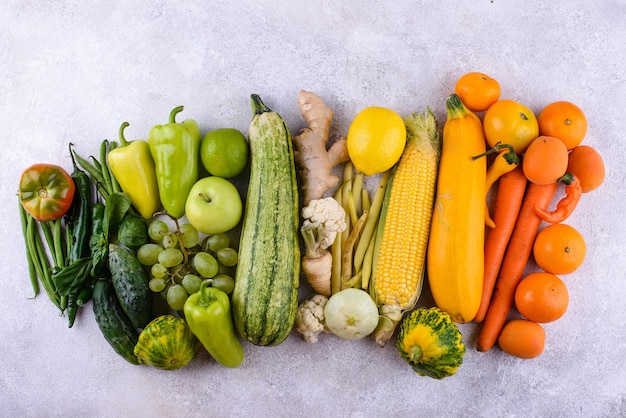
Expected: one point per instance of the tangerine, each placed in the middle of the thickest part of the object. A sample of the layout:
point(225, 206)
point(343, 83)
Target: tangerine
point(563, 120)
point(586, 163)
point(545, 160)
point(541, 297)
point(522, 338)
point(477, 91)
point(559, 249)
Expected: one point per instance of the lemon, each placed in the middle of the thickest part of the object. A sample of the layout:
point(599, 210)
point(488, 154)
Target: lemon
point(224, 152)
point(376, 139)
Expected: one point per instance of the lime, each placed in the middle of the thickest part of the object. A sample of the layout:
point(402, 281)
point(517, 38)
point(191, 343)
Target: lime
point(224, 152)
point(376, 139)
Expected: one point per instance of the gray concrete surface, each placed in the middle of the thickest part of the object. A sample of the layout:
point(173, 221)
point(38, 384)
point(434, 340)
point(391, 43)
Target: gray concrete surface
point(73, 71)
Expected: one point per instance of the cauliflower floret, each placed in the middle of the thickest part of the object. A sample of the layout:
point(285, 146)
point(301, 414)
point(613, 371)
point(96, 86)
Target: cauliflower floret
point(310, 317)
point(323, 220)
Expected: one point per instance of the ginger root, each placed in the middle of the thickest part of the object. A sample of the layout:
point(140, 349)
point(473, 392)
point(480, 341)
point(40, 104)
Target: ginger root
point(316, 162)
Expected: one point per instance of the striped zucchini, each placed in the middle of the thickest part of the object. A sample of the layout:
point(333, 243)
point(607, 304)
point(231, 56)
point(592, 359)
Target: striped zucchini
point(265, 298)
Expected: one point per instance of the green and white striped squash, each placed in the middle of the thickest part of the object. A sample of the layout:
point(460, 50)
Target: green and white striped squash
point(166, 343)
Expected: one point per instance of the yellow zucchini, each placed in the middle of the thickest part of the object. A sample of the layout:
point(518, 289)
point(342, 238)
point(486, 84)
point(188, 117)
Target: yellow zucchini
point(455, 257)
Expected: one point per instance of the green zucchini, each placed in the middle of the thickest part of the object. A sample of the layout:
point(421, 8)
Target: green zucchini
point(131, 285)
point(113, 321)
point(265, 298)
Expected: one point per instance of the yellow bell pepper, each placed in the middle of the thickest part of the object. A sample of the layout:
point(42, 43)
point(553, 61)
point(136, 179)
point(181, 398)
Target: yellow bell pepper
point(133, 168)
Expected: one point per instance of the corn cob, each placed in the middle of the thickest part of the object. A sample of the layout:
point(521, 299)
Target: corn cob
point(404, 225)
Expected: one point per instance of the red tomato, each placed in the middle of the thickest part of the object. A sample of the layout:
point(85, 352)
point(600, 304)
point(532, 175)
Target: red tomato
point(46, 191)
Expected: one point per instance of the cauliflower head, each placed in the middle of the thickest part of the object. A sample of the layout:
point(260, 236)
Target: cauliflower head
point(323, 220)
point(310, 317)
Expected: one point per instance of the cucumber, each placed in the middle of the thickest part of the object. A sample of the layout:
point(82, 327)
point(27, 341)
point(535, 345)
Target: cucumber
point(131, 285)
point(113, 322)
point(265, 297)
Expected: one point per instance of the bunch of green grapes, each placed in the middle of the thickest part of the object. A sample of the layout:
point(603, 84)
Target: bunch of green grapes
point(178, 261)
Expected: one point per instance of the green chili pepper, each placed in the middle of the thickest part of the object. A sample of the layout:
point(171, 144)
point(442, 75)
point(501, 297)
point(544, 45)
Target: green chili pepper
point(84, 295)
point(175, 149)
point(79, 227)
point(208, 315)
point(80, 214)
point(72, 309)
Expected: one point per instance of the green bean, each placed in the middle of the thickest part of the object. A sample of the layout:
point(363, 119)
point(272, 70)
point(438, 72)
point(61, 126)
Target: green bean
point(87, 166)
point(346, 256)
point(366, 204)
point(357, 187)
point(368, 263)
point(345, 201)
point(29, 256)
point(335, 281)
point(104, 167)
point(114, 183)
point(43, 264)
point(372, 221)
point(59, 246)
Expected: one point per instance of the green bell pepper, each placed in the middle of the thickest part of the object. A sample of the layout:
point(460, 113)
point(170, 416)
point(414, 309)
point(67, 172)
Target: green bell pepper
point(207, 313)
point(175, 149)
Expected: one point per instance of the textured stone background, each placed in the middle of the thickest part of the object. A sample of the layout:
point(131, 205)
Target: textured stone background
point(73, 71)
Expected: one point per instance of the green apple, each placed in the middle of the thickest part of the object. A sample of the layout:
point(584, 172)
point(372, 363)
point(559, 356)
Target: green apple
point(213, 205)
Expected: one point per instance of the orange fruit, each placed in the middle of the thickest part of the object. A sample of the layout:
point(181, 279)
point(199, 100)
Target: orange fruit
point(545, 160)
point(541, 297)
point(559, 249)
point(512, 123)
point(477, 91)
point(563, 120)
point(522, 338)
point(586, 163)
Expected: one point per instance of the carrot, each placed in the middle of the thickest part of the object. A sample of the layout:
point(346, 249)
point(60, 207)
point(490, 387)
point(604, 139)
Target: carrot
point(514, 262)
point(511, 187)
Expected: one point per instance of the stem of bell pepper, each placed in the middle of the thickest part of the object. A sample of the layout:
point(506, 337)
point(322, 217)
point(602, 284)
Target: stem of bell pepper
point(174, 112)
point(206, 298)
point(122, 138)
